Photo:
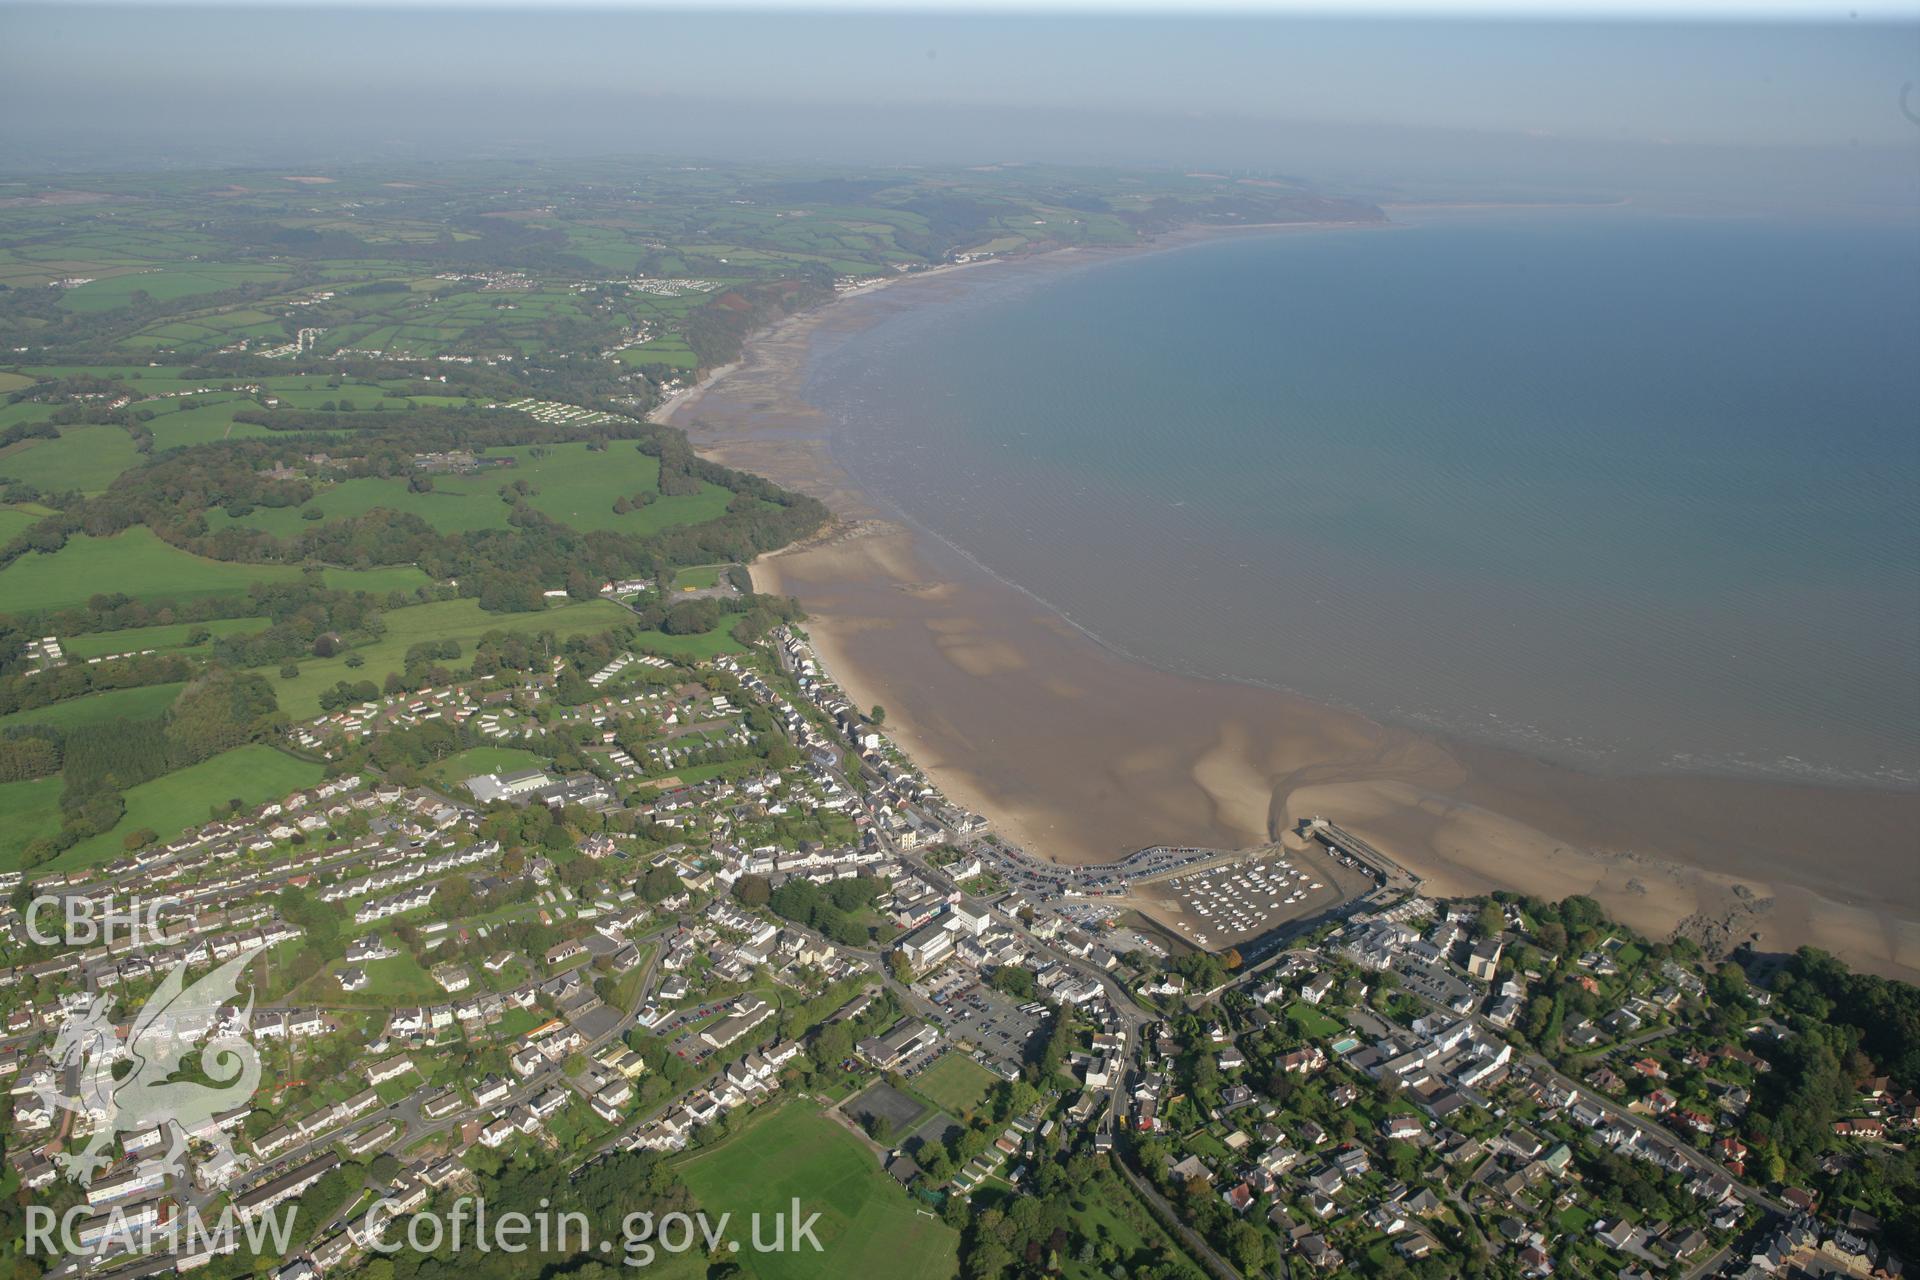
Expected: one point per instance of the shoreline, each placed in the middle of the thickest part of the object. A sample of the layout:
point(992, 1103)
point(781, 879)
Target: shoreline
point(802, 322)
point(1080, 754)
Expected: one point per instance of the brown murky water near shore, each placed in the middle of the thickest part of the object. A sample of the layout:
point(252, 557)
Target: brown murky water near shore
point(1082, 755)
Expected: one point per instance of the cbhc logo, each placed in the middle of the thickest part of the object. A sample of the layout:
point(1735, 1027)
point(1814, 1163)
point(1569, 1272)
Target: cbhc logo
point(87, 922)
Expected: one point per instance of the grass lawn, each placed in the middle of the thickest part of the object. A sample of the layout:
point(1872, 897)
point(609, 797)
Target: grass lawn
point(83, 458)
point(1574, 1220)
point(171, 804)
point(515, 1023)
point(698, 578)
point(394, 980)
point(956, 1084)
point(706, 644)
point(28, 810)
point(138, 564)
point(1205, 1144)
point(867, 1225)
point(457, 768)
point(143, 703)
point(690, 776)
point(1311, 1021)
point(462, 621)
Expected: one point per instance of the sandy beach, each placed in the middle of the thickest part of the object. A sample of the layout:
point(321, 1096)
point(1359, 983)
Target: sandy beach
point(1082, 755)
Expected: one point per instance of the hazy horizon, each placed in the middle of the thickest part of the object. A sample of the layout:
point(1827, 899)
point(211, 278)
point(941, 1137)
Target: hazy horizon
point(1800, 113)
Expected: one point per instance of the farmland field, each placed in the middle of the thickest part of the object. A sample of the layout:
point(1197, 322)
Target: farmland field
point(252, 774)
point(143, 703)
point(28, 810)
point(867, 1225)
point(203, 422)
point(164, 285)
point(15, 521)
point(83, 458)
point(462, 621)
point(136, 563)
point(576, 486)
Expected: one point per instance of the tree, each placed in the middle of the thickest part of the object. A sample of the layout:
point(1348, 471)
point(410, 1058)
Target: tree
point(289, 672)
point(1013, 980)
point(659, 884)
point(878, 715)
point(899, 966)
point(456, 896)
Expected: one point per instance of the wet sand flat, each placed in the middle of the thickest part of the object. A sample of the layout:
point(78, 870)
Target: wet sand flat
point(1082, 756)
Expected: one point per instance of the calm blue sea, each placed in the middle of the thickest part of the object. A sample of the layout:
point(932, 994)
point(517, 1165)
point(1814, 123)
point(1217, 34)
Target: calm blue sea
point(1631, 491)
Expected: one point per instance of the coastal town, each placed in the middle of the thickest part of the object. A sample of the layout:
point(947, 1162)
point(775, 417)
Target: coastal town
point(1388, 1084)
point(421, 800)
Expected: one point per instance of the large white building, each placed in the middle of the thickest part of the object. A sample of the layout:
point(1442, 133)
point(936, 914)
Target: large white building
point(488, 787)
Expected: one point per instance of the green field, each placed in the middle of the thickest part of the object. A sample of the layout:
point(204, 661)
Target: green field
point(689, 777)
point(83, 458)
point(15, 521)
point(169, 638)
point(381, 581)
point(164, 285)
point(253, 774)
point(143, 703)
point(704, 644)
point(1311, 1022)
point(455, 769)
point(665, 351)
point(136, 563)
point(462, 621)
point(203, 422)
point(28, 810)
point(867, 1226)
point(699, 577)
point(576, 486)
point(956, 1084)
point(391, 981)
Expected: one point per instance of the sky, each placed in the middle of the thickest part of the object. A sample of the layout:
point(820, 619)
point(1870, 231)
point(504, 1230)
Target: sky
point(1488, 99)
